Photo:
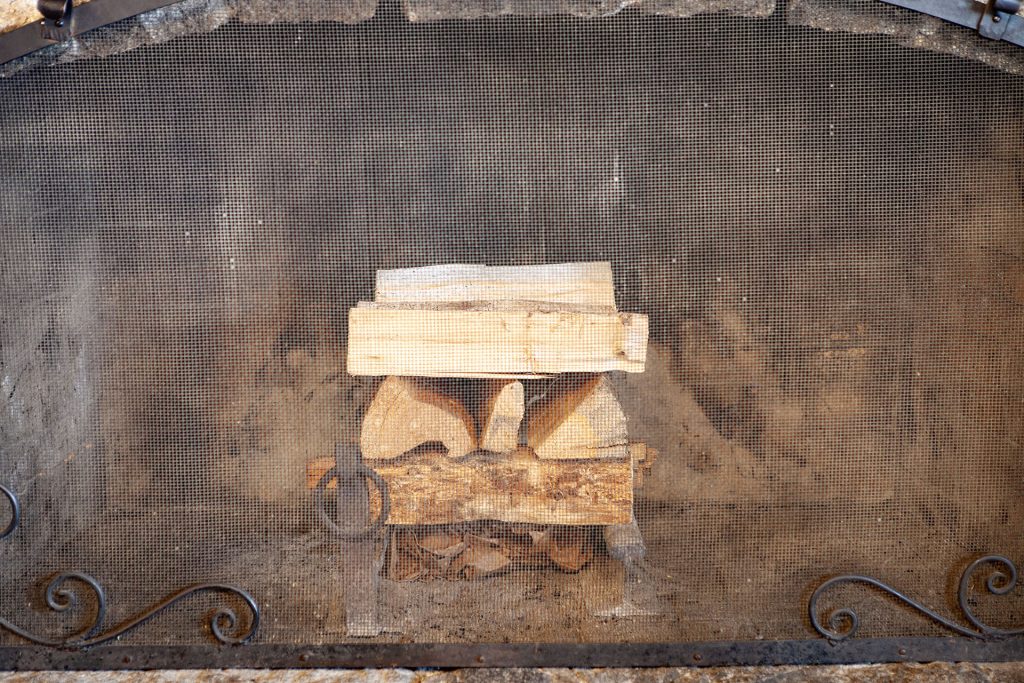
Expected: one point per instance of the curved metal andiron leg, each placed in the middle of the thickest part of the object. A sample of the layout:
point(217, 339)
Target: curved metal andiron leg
point(364, 545)
point(61, 598)
point(842, 623)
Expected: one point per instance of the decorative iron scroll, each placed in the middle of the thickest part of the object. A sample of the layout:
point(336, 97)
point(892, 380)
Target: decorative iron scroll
point(12, 501)
point(60, 598)
point(842, 623)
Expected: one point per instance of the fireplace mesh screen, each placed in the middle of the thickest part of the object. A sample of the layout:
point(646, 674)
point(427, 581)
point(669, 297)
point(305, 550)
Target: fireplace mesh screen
point(827, 233)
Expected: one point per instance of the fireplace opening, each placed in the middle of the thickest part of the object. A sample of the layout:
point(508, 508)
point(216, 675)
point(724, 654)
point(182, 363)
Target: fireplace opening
point(822, 232)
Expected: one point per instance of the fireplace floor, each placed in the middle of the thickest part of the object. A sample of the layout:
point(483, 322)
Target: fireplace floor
point(298, 578)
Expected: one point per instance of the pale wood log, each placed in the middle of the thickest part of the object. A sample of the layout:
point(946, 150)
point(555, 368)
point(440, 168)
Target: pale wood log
point(406, 413)
point(501, 414)
point(489, 343)
point(580, 419)
point(577, 284)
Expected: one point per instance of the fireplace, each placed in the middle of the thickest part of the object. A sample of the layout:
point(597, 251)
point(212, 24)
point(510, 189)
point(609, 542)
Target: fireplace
point(816, 208)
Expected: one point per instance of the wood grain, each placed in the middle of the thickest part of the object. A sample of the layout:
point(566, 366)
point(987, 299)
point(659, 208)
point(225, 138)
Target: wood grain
point(471, 343)
point(580, 418)
point(577, 284)
point(427, 489)
point(430, 488)
point(406, 413)
point(500, 415)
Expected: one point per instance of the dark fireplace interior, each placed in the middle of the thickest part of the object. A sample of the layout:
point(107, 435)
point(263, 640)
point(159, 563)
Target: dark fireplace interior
point(825, 230)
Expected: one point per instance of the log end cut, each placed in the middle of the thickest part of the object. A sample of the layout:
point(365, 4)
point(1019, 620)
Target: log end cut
point(407, 413)
point(582, 418)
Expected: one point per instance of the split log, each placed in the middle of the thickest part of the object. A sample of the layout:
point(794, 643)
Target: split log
point(575, 284)
point(406, 413)
point(581, 419)
point(427, 488)
point(501, 414)
point(491, 343)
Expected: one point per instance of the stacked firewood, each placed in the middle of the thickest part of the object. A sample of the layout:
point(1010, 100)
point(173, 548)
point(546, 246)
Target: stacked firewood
point(450, 429)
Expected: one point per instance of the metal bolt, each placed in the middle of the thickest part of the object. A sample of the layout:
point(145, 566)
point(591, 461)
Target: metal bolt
point(697, 656)
point(903, 651)
point(996, 19)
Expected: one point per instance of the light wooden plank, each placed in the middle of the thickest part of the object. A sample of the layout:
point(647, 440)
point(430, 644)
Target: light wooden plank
point(469, 343)
point(576, 284)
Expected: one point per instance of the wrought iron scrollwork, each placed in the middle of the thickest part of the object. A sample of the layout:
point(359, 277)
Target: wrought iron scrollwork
point(61, 597)
point(842, 623)
point(12, 501)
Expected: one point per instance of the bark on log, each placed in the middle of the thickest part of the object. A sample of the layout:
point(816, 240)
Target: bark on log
point(406, 413)
point(580, 419)
point(428, 488)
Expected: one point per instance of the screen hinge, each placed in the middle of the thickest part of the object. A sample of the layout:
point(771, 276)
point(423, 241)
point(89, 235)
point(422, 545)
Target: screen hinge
point(995, 19)
point(57, 16)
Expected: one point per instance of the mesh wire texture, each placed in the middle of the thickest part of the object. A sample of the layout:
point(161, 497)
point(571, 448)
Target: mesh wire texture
point(825, 230)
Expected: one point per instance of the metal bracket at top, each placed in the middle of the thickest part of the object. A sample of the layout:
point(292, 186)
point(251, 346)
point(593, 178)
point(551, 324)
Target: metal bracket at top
point(998, 15)
point(996, 19)
point(57, 19)
point(63, 21)
point(993, 20)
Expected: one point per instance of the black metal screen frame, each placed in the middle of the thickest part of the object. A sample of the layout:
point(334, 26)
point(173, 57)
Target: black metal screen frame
point(994, 20)
point(447, 655)
point(82, 19)
point(85, 649)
